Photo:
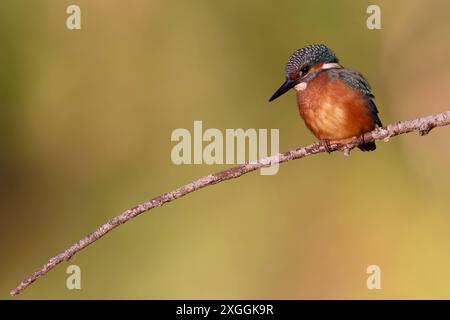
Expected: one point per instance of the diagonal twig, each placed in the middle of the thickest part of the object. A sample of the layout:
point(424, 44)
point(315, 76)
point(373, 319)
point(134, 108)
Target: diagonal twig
point(422, 125)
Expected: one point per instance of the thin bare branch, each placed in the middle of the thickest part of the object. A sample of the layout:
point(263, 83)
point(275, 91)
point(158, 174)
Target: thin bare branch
point(422, 125)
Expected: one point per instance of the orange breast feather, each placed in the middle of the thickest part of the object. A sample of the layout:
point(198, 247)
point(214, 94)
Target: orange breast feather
point(332, 110)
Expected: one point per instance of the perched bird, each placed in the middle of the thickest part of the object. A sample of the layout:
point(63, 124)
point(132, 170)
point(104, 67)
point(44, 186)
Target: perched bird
point(335, 102)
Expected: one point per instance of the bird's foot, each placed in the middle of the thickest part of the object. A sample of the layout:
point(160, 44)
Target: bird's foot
point(326, 144)
point(361, 140)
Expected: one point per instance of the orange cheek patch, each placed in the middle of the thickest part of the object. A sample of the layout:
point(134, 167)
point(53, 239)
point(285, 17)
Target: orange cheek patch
point(317, 66)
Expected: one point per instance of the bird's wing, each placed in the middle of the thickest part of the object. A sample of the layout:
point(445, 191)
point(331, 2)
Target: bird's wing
point(357, 81)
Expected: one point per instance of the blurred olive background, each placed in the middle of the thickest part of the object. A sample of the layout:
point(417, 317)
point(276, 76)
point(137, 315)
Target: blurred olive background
point(86, 118)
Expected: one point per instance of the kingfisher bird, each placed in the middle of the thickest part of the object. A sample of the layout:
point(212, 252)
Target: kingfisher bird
point(336, 103)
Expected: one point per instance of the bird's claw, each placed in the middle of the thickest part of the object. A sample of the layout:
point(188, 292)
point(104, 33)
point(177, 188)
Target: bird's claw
point(361, 140)
point(326, 144)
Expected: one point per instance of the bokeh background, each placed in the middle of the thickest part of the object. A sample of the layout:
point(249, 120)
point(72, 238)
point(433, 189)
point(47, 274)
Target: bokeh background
point(86, 118)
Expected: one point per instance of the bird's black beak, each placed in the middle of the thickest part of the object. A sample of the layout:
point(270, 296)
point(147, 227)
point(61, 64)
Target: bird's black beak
point(288, 84)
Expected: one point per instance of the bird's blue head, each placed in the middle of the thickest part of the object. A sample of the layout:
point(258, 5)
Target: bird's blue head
point(304, 61)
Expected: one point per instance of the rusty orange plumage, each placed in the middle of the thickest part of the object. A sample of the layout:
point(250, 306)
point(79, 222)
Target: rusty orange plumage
point(332, 110)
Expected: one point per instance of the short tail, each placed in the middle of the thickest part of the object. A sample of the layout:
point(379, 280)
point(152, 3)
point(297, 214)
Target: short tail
point(369, 146)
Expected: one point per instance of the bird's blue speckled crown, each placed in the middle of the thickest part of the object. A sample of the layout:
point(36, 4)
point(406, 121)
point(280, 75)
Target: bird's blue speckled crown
point(310, 55)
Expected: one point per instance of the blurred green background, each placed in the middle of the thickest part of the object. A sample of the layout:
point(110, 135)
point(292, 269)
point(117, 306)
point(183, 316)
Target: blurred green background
point(86, 118)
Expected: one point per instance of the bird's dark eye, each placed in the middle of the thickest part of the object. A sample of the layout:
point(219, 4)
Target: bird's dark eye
point(305, 69)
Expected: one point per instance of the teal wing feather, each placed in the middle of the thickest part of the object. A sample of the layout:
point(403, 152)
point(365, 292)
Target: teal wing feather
point(357, 81)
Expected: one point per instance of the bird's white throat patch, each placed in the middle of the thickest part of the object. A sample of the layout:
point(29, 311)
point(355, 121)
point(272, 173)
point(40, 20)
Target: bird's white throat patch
point(301, 86)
